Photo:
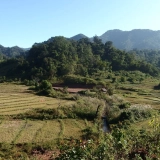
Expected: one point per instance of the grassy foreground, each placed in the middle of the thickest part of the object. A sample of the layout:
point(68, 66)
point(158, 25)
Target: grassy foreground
point(45, 136)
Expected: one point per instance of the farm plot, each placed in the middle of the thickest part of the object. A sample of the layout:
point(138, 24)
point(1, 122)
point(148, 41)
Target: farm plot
point(9, 130)
point(15, 99)
point(29, 131)
point(76, 127)
point(141, 94)
point(26, 131)
point(48, 132)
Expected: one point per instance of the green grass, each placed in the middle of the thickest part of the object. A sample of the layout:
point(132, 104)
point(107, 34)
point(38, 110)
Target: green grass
point(143, 93)
point(144, 124)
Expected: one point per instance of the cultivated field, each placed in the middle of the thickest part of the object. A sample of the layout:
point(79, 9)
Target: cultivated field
point(24, 131)
point(141, 93)
point(16, 99)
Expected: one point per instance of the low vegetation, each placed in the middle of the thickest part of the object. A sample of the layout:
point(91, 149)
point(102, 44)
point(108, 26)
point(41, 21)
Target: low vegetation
point(46, 128)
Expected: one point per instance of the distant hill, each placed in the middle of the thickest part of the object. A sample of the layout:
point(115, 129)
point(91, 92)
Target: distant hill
point(124, 40)
point(137, 38)
point(75, 38)
point(128, 40)
point(12, 51)
point(78, 37)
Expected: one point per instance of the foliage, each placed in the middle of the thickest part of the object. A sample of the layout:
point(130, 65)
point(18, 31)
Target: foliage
point(157, 86)
point(134, 114)
point(11, 52)
point(44, 88)
point(85, 108)
point(61, 57)
point(73, 79)
point(119, 144)
point(124, 105)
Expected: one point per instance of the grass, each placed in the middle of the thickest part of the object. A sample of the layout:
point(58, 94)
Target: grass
point(40, 131)
point(9, 130)
point(141, 93)
point(72, 129)
point(30, 132)
point(20, 131)
point(144, 124)
point(15, 99)
point(49, 131)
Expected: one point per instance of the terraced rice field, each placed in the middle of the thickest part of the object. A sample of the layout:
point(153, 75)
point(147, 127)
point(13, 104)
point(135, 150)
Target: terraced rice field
point(24, 131)
point(15, 99)
point(141, 94)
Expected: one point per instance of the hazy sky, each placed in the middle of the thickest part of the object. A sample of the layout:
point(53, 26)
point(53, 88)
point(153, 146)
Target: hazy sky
point(24, 22)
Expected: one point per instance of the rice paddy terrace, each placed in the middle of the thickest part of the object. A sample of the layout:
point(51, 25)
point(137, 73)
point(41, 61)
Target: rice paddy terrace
point(17, 99)
point(141, 93)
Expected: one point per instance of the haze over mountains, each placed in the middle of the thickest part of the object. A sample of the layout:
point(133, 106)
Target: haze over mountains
point(138, 38)
point(11, 51)
point(124, 40)
point(128, 40)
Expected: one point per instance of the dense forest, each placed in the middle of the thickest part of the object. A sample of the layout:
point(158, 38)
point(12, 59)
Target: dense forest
point(60, 57)
point(8, 52)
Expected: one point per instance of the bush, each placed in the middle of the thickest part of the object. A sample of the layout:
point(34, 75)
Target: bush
point(110, 91)
point(119, 144)
point(44, 88)
point(134, 114)
point(73, 79)
point(45, 85)
point(157, 86)
point(124, 105)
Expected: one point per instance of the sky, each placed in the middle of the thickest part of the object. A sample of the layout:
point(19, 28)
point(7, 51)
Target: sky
point(24, 22)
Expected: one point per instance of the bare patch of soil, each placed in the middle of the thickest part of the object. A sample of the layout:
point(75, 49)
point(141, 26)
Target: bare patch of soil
point(72, 88)
point(45, 155)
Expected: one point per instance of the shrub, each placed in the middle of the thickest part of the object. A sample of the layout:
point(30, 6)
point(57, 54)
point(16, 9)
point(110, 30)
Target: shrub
point(44, 88)
point(124, 105)
point(134, 114)
point(123, 79)
point(110, 91)
point(45, 85)
point(157, 86)
point(119, 144)
point(73, 79)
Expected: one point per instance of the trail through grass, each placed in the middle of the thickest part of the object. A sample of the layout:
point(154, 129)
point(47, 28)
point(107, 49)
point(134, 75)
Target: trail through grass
point(9, 130)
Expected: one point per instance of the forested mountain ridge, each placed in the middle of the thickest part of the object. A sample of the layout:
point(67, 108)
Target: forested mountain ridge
point(11, 51)
point(137, 38)
point(128, 40)
point(78, 37)
point(140, 39)
point(62, 57)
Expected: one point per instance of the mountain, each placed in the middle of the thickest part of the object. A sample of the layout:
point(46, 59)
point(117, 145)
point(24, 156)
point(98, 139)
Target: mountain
point(124, 40)
point(75, 38)
point(12, 51)
point(128, 40)
point(137, 38)
point(78, 37)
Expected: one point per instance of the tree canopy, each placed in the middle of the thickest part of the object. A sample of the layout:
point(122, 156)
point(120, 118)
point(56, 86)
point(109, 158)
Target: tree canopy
point(62, 56)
